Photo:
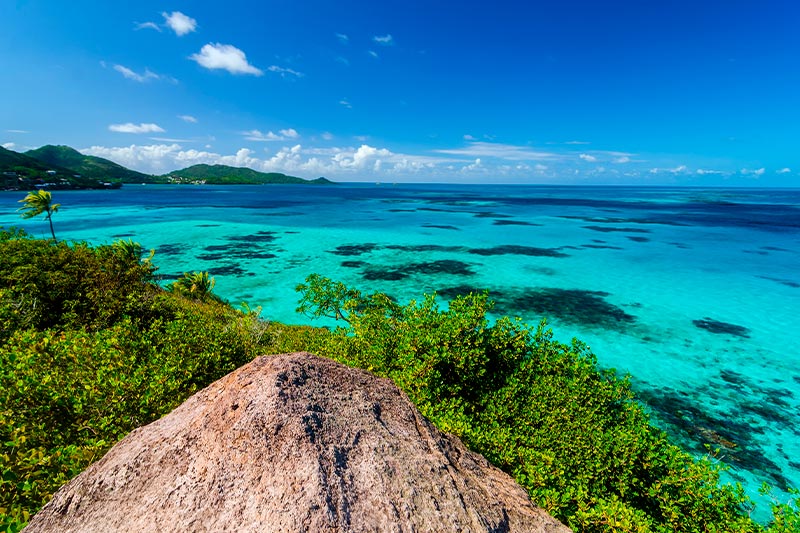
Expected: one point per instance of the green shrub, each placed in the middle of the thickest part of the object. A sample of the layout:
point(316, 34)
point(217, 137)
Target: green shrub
point(573, 436)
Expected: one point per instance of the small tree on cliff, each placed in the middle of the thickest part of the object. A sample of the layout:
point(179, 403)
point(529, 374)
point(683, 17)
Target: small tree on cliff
point(37, 203)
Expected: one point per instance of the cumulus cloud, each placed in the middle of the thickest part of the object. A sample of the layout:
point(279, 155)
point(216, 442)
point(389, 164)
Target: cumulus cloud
point(469, 137)
point(784, 170)
point(188, 118)
point(345, 103)
point(343, 38)
point(282, 135)
point(147, 75)
point(8, 146)
point(130, 127)
point(285, 72)
point(179, 23)
point(328, 136)
point(588, 158)
point(622, 159)
point(225, 57)
point(147, 26)
point(384, 40)
point(706, 171)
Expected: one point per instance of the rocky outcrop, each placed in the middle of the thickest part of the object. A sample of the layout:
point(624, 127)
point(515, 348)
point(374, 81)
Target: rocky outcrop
point(292, 443)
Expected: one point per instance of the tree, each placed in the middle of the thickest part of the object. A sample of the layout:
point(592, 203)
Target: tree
point(37, 203)
point(196, 285)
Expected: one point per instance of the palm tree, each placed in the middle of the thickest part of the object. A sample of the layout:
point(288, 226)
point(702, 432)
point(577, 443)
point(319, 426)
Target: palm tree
point(37, 203)
point(196, 285)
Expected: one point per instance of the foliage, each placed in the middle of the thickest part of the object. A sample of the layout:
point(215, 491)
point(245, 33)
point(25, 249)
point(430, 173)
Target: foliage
point(573, 436)
point(92, 348)
point(225, 175)
point(37, 203)
point(195, 285)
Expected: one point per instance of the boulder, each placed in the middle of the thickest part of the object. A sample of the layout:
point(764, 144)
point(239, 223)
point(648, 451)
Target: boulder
point(292, 442)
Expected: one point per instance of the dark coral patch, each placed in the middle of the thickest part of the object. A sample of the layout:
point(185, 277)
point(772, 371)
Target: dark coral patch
point(123, 235)
point(171, 249)
point(443, 266)
point(425, 248)
point(722, 328)
point(613, 229)
point(696, 427)
point(514, 223)
point(575, 306)
point(782, 281)
point(601, 247)
point(638, 239)
point(441, 226)
point(259, 236)
point(229, 270)
point(353, 264)
point(354, 249)
point(515, 249)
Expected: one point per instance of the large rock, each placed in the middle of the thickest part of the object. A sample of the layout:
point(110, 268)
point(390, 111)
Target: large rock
point(292, 443)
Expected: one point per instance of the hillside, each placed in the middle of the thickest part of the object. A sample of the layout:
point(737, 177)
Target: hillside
point(88, 166)
point(19, 171)
point(226, 175)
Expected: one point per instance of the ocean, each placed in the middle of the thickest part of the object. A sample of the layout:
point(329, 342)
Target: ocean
point(695, 293)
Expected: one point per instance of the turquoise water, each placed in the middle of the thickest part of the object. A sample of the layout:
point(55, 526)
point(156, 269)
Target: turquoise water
point(694, 292)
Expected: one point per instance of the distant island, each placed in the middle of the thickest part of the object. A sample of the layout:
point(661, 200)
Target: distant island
point(62, 167)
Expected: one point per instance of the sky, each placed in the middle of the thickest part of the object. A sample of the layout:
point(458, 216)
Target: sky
point(641, 92)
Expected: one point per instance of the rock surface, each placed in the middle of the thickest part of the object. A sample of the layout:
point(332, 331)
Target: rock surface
point(292, 443)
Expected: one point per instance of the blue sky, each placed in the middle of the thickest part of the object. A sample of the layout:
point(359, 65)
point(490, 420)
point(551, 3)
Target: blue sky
point(574, 92)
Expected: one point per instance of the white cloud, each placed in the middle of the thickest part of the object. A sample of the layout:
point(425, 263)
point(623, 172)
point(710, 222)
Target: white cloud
point(384, 40)
point(373, 53)
point(345, 103)
point(469, 137)
point(680, 169)
point(17, 131)
point(757, 172)
point(784, 170)
point(8, 146)
point(343, 38)
point(225, 57)
point(343, 60)
point(502, 151)
point(622, 159)
point(577, 142)
point(147, 26)
point(282, 135)
point(131, 75)
point(710, 172)
point(179, 23)
point(188, 118)
point(130, 127)
point(171, 140)
point(588, 158)
point(284, 72)
point(328, 136)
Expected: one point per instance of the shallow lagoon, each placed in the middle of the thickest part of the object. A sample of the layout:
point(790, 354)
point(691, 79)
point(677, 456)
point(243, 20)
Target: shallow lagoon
point(694, 292)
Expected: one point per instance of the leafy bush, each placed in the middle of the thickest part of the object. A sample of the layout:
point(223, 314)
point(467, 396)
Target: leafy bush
point(573, 436)
point(90, 349)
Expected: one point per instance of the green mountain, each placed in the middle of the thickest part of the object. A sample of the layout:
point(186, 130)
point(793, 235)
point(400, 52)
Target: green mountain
point(20, 171)
point(225, 175)
point(88, 166)
point(62, 167)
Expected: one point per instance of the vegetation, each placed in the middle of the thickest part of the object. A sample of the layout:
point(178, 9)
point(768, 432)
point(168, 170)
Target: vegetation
point(225, 175)
point(37, 203)
point(91, 347)
point(62, 167)
point(572, 436)
point(89, 167)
